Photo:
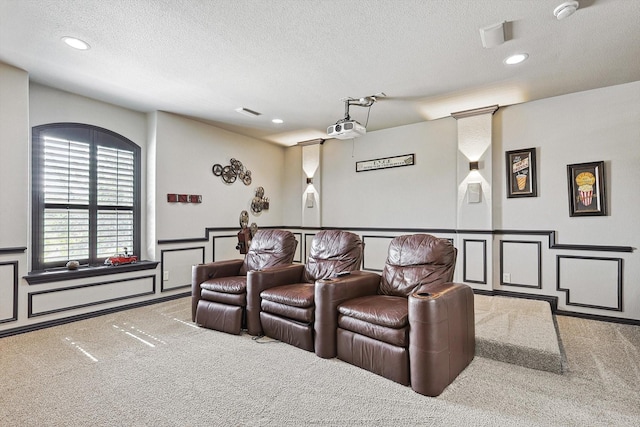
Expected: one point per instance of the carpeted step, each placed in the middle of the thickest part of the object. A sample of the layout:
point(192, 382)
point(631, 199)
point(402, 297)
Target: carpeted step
point(518, 331)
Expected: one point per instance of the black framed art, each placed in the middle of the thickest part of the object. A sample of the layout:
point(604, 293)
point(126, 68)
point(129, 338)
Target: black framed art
point(587, 189)
point(521, 173)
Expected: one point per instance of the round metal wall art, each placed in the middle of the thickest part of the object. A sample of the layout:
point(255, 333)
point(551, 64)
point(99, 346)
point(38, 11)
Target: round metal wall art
point(230, 173)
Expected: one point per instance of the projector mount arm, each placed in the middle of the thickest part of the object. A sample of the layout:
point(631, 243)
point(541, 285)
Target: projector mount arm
point(367, 101)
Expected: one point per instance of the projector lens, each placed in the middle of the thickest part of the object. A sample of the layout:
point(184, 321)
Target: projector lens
point(338, 128)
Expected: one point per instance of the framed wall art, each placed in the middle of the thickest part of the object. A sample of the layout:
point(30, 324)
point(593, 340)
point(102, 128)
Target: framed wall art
point(522, 175)
point(587, 189)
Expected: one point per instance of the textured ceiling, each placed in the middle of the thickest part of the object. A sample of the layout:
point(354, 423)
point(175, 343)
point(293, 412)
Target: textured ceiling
point(296, 59)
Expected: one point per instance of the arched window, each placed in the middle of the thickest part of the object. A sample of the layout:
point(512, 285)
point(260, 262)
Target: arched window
point(86, 195)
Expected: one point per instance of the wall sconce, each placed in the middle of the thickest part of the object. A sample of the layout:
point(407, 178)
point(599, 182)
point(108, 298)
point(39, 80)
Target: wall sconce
point(309, 180)
point(473, 166)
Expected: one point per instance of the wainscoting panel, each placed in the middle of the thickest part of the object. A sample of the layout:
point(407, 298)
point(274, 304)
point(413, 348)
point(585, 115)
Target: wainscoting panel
point(308, 238)
point(177, 263)
point(521, 261)
point(224, 247)
point(376, 249)
point(74, 297)
point(298, 256)
point(591, 281)
point(8, 291)
point(474, 261)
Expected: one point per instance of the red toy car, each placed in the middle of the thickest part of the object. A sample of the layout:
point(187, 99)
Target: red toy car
point(119, 259)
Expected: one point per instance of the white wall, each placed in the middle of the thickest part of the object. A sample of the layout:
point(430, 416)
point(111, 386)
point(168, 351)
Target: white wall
point(601, 124)
point(14, 156)
point(185, 152)
point(422, 195)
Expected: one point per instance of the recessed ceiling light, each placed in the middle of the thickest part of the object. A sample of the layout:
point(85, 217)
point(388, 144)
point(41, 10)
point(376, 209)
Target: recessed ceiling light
point(516, 59)
point(277, 121)
point(76, 43)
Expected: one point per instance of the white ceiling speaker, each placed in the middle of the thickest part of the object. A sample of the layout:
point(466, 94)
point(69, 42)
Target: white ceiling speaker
point(492, 35)
point(566, 9)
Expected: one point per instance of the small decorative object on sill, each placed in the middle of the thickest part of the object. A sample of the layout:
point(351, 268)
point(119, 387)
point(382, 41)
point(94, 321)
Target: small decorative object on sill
point(230, 173)
point(119, 259)
point(259, 202)
point(73, 265)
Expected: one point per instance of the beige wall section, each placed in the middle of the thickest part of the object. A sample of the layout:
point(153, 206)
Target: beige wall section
point(14, 156)
point(422, 195)
point(601, 124)
point(185, 152)
point(294, 184)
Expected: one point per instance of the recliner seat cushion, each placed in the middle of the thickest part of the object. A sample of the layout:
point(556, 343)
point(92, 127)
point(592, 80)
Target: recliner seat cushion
point(301, 314)
point(383, 310)
point(297, 294)
point(229, 285)
point(417, 261)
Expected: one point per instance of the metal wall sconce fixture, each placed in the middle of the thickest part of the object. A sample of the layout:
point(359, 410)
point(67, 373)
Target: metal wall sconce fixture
point(473, 166)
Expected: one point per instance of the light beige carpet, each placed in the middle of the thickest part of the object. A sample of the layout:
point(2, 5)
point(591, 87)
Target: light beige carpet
point(151, 367)
point(519, 331)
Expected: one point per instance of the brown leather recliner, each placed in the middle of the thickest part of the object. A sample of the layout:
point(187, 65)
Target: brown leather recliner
point(417, 328)
point(285, 300)
point(219, 289)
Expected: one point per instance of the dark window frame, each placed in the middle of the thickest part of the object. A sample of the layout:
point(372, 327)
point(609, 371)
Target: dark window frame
point(98, 136)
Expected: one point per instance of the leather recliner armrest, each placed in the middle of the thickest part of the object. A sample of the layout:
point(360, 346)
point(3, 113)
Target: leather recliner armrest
point(441, 335)
point(329, 293)
point(258, 281)
point(202, 272)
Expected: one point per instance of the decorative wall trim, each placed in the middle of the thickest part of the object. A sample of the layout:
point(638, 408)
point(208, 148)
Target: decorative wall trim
point(553, 301)
point(475, 112)
point(484, 261)
point(598, 317)
point(85, 316)
point(31, 313)
point(549, 233)
point(14, 316)
point(559, 287)
point(162, 252)
point(538, 285)
point(17, 250)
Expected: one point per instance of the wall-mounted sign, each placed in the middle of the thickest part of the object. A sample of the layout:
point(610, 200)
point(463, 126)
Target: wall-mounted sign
point(184, 198)
point(387, 162)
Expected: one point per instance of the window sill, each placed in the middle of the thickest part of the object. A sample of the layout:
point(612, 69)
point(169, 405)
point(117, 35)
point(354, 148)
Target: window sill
point(61, 274)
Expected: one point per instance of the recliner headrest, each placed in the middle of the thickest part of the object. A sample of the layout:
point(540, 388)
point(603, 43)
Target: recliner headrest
point(269, 248)
point(415, 262)
point(333, 251)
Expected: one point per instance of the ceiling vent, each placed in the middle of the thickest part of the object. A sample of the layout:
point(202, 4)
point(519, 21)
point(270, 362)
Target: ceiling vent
point(248, 112)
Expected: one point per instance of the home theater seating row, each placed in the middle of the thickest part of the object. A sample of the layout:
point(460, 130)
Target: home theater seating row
point(410, 324)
